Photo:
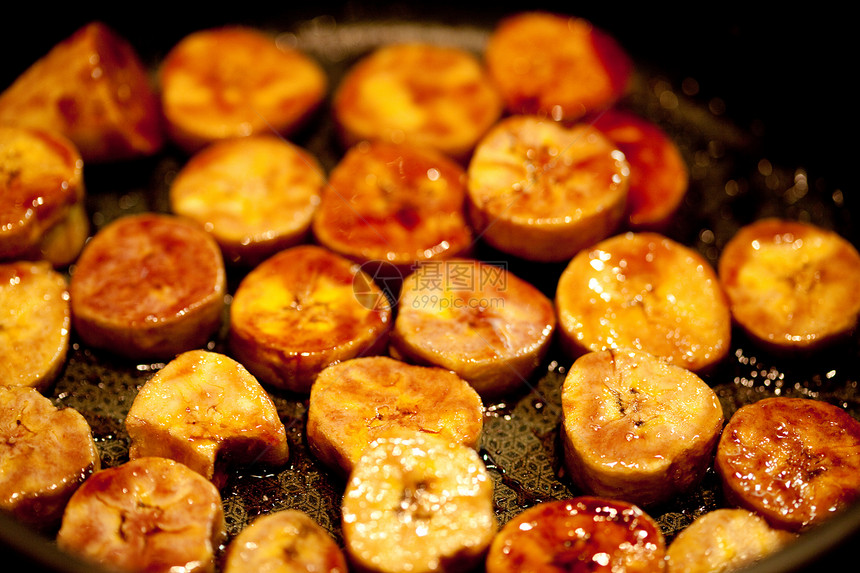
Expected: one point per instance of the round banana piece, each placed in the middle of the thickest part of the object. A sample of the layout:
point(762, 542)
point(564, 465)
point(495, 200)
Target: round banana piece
point(257, 195)
point(419, 93)
point(418, 503)
point(647, 292)
point(794, 461)
point(303, 309)
point(357, 401)
point(724, 540)
point(637, 428)
point(235, 81)
point(286, 541)
point(556, 65)
point(580, 534)
point(196, 410)
point(791, 285)
point(45, 454)
point(35, 324)
point(149, 515)
point(541, 190)
point(477, 319)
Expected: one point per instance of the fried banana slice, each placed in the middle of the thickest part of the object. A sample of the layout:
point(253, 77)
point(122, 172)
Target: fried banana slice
point(207, 411)
point(148, 286)
point(93, 88)
point(150, 515)
point(724, 540)
point(794, 461)
point(235, 81)
point(35, 324)
point(542, 191)
point(287, 541)
point(418, 503)
point(479, 320)
point(303, 309)
point(637, 428)
point(357, 401)
point(45, 454)
point(425, 94)
point(647, 292)
point(580, 534)
point(792, 286)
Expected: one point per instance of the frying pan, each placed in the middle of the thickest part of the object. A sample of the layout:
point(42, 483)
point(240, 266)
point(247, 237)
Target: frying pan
point(757, 100)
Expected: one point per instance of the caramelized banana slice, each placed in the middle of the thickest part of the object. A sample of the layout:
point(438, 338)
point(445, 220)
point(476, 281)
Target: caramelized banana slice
point(42, 213)
point(93, 88)
point(236, 81)
point(149, 514)
point(35, 320)
point(556, 65)
point(794, 461)
point(792, 285)
point(644, 291)
point(418, 503)
point(425, 94)
point(45, 455)
point(476, 319)
point(148, 286)
point(205, 410)
point(256, 195)
point(543, 191)
point(286, 541)
point(304, 309)
point(357, 401)
point(637, 428)
point(724, 540)
point(579, 534)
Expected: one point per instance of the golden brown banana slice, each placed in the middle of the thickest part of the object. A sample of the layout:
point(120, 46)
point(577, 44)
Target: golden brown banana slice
point(425, 94)
point(794, 461)
point(207, 411)
point(418, 503)
point(791, 285)
point(93, 88)
point(235, 81)
point(256, 195)
point(580, 534)
point(303, 309)
point(637, 428)
point(35, 321)
point(477, 319)
point(724, 540)
point(644, 291)
point(287, 541)
point(542, 190)
point(148, 514)
point(42, 212)
point(357, 401)
point(45, 454)
point(148, 286)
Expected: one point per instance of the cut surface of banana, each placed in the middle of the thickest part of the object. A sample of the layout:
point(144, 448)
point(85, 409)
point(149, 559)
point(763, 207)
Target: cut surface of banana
point(207, 411)
point(303, 309)
point(647, 292)
point(45, 454)
point(637, 428)
point(794, 461)
point(149, 514)
point(580, 534)
point(418, 503)
point(542, 190)
point(354, 402)
point(791, 285)
point(35, 324)
point(474, 318)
